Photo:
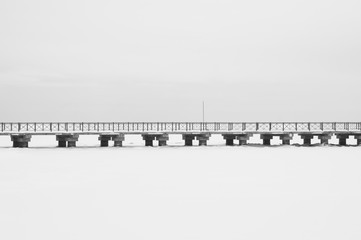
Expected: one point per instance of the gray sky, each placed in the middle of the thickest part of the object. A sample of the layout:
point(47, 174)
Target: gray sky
point(74, 60)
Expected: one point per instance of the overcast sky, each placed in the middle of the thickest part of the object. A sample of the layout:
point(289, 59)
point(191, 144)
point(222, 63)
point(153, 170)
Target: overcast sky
point(260, 60)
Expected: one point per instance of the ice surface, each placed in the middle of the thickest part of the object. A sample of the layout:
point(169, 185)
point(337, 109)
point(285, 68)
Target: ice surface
point(213, 192)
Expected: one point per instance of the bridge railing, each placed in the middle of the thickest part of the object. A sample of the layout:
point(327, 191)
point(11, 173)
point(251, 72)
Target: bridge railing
point(91, 127)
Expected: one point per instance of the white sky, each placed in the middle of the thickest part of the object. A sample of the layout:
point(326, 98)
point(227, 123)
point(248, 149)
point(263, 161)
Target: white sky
point(74, 60)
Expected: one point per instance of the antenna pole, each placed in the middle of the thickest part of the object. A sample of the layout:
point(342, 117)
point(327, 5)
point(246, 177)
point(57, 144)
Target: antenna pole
point(203, 111)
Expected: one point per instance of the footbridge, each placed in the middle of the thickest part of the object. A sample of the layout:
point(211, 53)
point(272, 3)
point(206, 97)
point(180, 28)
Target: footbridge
point(67, 133)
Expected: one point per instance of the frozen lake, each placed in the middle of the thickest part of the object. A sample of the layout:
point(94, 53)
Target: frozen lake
point(213, 192)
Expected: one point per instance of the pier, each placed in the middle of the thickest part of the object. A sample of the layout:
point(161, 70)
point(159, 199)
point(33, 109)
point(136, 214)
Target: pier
point(67, 134)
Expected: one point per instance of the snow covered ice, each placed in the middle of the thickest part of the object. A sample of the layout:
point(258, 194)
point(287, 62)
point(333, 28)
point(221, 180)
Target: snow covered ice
point(213, 192)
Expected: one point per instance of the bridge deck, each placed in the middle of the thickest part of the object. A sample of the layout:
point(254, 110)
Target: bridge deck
point(176, 127)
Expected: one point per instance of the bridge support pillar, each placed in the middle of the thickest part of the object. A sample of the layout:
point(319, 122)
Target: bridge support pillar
point(243, 138)
point(203, 138)
point(229, 139)
point(307, 137)
point(161, 137)
point(148, 140)
point(63, 139)
point(188, 139)
point(266, 139)
point(21, 140)
point(325, 138)
point(342, 138)
point(104, 140)
point(358, 139)
point(286, 138)
point(118, 139)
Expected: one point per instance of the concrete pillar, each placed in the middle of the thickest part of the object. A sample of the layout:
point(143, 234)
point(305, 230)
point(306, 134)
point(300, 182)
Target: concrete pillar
point(61, 143)
point(67, 140)
point(162, 139)
point(307, 137)
point(162, 143)
point(286, 138)
point(188, 139)
point(104, 140)
point(243, 138)
point(325, 138)
point(342, 138)
point(118, 139)
point(21, 140)
point(72, 143)
point(266, 139)
point(229, 139)
point(358, 139)
point(203, 138)
point(148, 139)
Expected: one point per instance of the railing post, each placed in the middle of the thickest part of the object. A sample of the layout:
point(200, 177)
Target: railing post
point(309, 126)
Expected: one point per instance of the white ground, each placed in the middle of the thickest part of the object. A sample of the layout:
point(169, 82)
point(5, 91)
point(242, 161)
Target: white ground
point(213, 192)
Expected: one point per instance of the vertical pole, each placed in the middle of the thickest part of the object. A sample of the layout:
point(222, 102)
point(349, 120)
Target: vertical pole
point(203, 112)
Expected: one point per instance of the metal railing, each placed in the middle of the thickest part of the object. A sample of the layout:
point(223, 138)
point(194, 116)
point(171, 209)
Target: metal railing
point(176, 127)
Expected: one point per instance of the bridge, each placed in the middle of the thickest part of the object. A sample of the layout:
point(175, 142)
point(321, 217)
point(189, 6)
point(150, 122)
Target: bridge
point(67, 133)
